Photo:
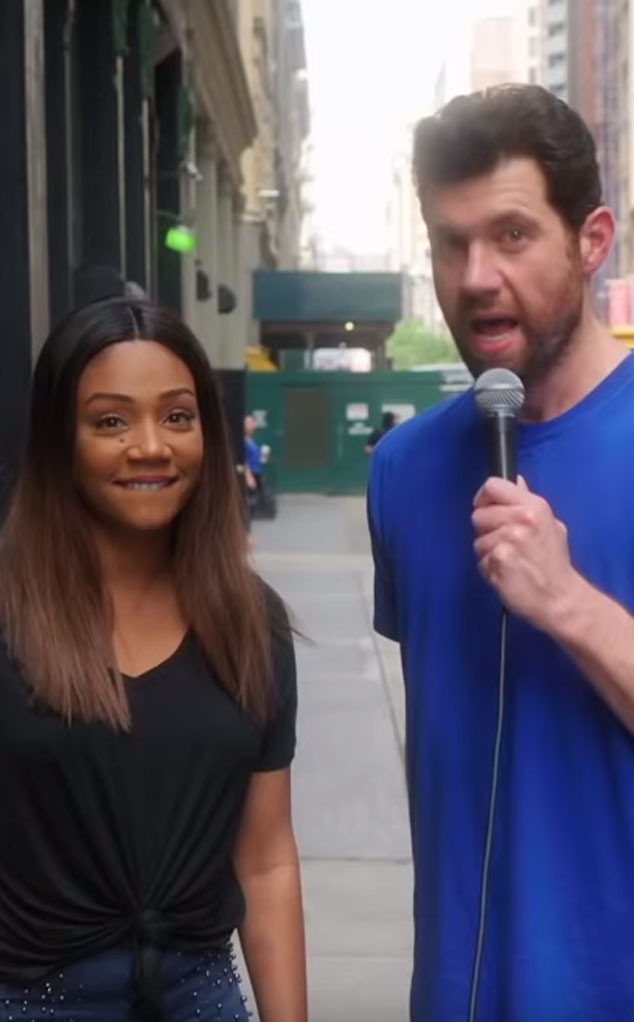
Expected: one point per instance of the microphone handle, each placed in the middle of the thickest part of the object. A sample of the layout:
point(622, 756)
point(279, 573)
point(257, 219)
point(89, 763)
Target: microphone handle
point(502, 448)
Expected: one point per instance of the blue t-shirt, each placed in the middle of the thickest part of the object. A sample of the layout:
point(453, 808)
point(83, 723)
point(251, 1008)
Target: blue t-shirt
point(252, 456)
point(560, 935)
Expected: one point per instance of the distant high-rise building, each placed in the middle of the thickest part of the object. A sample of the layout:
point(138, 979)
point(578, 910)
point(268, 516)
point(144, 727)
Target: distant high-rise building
point(600, 87)
point(582, 63)
point(453, 76)
point(620, 130)
point(583, 52)
point(589, 55)
point(532, 41)
point(271, 34)
point(494, 52)
point(574, 40)
point(509, 48)
point(408, 244)
point(555, 15)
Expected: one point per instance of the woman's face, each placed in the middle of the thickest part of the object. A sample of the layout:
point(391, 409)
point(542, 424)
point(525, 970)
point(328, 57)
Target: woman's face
point(138, 440)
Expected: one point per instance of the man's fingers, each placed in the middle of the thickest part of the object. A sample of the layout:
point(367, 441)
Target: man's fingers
point(500, 491)
point(487, 519)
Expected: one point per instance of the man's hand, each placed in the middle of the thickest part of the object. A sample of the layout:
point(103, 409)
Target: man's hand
point(522, 551)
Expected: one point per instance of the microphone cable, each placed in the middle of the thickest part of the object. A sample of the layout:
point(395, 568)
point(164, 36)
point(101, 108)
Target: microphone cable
point(488, 844)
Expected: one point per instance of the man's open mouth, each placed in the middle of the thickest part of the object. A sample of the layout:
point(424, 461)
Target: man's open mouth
point(493, 328)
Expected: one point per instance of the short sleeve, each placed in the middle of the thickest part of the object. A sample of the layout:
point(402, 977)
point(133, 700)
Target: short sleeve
point(279, 740)
point(385, 615)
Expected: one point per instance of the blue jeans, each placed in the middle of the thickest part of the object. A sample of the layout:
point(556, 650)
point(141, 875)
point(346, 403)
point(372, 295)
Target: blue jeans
point(193, 988)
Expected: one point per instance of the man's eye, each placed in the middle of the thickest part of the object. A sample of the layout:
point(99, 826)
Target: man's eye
point(449, 243)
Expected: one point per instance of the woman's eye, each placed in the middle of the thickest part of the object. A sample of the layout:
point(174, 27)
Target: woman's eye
point(180, 418)
point(110, 422)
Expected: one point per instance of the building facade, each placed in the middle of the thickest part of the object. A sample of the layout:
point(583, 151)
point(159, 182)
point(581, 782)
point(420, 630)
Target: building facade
point(271, 35)
point(293, 126)
point(128, 119)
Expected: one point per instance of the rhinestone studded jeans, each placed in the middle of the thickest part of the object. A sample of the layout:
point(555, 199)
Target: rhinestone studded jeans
point(194, 988)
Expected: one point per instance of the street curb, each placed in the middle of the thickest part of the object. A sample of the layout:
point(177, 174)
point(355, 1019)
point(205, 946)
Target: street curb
point(389, 658)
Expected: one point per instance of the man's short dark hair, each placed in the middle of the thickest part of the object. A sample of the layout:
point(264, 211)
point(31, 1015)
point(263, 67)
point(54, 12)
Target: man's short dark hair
point(471, 134)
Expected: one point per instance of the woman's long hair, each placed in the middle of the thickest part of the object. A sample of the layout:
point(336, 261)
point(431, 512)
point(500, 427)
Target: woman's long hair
point(54, 614)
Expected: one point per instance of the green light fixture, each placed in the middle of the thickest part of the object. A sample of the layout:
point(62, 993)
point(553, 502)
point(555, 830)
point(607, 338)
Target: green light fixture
point(180, 238)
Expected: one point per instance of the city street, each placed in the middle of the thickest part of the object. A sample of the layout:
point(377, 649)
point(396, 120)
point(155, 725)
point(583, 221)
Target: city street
point(247, 239)
point(349, 791)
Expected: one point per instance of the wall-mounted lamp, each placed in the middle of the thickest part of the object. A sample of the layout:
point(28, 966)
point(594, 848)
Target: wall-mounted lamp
point(179, 237)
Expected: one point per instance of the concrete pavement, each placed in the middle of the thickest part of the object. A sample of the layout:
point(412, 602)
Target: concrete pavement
point(349, 793)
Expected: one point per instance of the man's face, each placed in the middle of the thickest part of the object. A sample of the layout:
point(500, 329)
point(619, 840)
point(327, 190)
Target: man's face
point(507, 270)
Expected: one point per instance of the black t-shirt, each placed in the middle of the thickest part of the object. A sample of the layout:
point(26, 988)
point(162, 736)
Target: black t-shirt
point(112, 838)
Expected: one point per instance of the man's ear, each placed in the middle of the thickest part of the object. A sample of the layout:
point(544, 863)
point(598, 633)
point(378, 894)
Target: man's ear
point(596, 238)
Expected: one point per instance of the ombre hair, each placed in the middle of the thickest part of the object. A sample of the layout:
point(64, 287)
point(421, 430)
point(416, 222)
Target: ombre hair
point(55, 616)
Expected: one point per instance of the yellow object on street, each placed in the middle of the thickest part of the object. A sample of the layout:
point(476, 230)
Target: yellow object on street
point(258, 360)
point(625, 333)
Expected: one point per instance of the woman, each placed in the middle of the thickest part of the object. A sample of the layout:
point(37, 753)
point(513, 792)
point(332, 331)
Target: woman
point(147, 699)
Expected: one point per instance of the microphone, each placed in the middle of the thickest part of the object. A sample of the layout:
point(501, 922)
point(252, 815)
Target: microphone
point(499, 395)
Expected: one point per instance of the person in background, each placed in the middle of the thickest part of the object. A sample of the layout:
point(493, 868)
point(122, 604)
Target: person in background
point(388, 421)
point(510, 192)
point(252, 456)
point(147, 698)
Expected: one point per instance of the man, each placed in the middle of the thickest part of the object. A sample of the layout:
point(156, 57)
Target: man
point(261, 499)
point(252, 456)
point(388, 421)
point(510, 192)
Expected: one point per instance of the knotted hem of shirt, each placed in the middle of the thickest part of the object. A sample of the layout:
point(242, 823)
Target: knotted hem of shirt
point(149, 931)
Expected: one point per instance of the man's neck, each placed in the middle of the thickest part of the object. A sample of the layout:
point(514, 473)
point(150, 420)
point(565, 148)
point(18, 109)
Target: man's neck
point(592, 355)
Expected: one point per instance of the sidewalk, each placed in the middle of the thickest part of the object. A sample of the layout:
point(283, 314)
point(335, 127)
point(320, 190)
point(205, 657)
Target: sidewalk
point(349, 794)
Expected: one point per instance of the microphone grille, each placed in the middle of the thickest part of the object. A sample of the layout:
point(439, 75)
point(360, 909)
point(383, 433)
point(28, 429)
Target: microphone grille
point(499, 392)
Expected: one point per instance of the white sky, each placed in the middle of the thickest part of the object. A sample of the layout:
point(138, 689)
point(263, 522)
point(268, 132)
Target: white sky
point(372, 65)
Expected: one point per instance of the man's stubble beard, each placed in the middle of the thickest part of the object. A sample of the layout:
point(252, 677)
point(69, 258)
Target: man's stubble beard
point(546, 346)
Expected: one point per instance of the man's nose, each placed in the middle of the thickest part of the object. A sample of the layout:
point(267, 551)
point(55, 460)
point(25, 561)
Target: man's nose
point(481, 275)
